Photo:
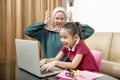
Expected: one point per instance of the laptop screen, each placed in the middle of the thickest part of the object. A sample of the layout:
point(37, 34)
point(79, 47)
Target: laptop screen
point(28, 55)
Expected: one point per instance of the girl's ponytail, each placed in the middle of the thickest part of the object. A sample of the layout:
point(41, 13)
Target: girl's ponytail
point(79, 29)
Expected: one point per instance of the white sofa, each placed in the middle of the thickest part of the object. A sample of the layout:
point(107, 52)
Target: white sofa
point(109, 44)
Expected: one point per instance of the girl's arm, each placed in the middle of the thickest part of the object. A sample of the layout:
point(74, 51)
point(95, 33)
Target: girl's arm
point(57, 58)
point(70, 65)
point(56, 62)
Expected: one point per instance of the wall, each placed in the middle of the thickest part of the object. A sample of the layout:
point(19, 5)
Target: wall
point(102, 15)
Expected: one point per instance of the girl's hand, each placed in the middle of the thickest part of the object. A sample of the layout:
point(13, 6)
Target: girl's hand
point(70, 19)
point(42, 62)
point(48, 66)
point(47, 17)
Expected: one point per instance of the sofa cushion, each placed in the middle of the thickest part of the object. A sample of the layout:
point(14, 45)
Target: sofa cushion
point(115, 48)
point(100, 41)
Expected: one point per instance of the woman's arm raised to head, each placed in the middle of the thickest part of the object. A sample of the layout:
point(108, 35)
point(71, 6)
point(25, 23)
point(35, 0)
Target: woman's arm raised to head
point(87, 31)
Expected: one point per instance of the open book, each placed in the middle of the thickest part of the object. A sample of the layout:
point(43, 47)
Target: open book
point(83, 75)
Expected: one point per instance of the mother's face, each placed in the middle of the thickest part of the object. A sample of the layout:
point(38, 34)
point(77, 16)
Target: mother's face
point(59, 19)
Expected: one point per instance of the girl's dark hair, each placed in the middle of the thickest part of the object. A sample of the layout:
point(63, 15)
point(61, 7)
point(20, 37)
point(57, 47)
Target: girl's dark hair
point(74, 28)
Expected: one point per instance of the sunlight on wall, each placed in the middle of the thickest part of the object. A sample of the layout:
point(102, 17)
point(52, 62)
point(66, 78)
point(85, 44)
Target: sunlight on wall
point(102, 15)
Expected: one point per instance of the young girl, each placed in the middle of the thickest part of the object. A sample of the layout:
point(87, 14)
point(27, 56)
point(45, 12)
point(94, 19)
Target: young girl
point(74, 46)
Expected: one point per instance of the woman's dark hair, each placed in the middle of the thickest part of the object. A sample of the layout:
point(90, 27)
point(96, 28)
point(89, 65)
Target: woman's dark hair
point(74, 28)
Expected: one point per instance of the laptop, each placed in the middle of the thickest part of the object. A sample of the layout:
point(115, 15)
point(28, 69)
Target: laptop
point(28, 58)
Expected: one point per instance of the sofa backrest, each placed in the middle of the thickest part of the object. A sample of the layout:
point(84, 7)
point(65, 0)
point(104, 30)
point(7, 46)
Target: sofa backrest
point(100, 41)
point(115, 48)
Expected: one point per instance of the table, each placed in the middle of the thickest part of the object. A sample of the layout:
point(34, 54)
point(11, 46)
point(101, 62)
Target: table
point(23, 75)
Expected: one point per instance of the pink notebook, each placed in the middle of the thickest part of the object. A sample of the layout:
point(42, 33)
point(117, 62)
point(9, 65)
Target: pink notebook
point(84, 75)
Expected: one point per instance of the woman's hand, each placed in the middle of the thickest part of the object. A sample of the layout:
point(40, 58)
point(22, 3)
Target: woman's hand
point(70, 19)
point(48, 66)
point(47, 17)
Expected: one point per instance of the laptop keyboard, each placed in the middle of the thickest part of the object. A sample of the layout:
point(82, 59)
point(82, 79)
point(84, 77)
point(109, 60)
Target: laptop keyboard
point(44, 72)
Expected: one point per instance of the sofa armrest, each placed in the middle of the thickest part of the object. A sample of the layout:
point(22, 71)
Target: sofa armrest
point(110, 68)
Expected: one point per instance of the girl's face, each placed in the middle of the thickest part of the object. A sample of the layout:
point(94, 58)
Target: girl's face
point(59, 19)
point(67, 39)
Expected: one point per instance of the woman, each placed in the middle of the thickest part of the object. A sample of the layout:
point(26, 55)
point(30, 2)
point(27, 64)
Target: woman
point(49, 37)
